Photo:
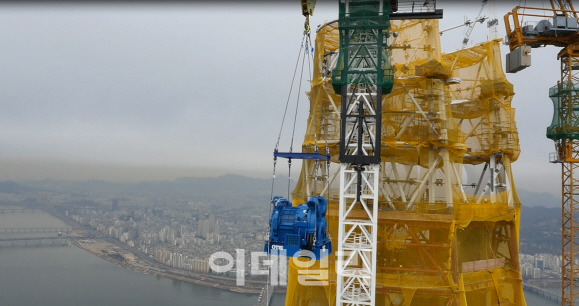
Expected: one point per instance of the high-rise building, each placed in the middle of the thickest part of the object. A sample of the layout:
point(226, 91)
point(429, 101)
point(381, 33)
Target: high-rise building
point(203, 228)
point(540, 263)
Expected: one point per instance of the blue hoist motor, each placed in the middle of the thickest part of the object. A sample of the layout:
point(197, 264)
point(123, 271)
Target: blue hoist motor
point(299, 228)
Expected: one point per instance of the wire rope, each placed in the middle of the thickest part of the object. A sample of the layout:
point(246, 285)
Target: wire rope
point(269, 276)
point(296, 115)
point(305, 39)
point(289, 95)
point(307, 56)
point(297, 104)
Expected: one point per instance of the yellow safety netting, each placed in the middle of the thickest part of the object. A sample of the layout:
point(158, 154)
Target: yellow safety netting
point(439, 242)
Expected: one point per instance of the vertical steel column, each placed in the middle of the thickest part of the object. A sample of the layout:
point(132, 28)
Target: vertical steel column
point(357, 238)
point(362, 74)
point(358, 206)
point(569, 269)
point(567, 138)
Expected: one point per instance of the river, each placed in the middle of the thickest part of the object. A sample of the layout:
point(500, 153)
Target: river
point(57, 275)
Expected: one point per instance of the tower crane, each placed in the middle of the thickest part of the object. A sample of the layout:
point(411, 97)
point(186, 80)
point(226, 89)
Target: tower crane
point(560, 31)
point(363, 75)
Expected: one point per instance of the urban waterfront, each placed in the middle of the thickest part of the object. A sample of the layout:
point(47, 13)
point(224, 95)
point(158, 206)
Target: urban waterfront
point(63, 275)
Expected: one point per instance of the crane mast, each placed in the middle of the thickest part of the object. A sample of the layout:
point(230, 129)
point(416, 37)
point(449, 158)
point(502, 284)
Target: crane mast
point(362, 76)
point(407, 125)
point(563, 32)
point(565, 133)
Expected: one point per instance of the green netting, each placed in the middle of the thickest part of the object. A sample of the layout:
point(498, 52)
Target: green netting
point(565, 123)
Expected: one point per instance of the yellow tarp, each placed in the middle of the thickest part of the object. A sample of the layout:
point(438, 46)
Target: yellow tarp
point(427, 254)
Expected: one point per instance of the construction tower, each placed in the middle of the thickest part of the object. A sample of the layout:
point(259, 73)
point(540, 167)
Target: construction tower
point(447, 211)
point(558, 26)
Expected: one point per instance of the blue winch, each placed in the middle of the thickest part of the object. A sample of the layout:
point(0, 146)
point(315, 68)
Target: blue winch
point(294, 229)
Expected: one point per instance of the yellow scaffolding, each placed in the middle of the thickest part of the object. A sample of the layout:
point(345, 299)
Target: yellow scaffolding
point(444, 239)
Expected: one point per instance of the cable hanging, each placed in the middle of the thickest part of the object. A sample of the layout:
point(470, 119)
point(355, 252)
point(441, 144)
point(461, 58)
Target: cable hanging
point(305, 42)
point(307, 48)
point(310, 229)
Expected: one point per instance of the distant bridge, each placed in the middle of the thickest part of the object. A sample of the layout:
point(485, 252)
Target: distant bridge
point(36, 230)
point(543, 292)
point(37, 241)
point(18, 210)
point(36, 238)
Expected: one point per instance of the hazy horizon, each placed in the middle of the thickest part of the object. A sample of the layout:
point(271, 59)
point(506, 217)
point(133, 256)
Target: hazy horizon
point(155, 91)
point(30, 170)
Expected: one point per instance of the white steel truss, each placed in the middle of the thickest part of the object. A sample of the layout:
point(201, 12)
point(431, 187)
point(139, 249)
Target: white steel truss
point(357, 235)
point(358, 202)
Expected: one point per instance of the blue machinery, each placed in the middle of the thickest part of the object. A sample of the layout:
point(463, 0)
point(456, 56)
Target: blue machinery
point(298, 229)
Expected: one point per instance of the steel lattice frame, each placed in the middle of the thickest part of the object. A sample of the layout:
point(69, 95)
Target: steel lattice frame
point(363, 75)
point(569, 269)
point(569, 156)
point(363, 70)
point(357, 236)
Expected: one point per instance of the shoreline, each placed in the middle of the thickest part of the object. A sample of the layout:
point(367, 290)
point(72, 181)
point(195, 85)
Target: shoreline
point(146, 270)
point(207, 279)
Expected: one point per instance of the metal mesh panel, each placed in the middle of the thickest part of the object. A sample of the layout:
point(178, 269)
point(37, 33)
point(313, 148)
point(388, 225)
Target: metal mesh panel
point(292, 240)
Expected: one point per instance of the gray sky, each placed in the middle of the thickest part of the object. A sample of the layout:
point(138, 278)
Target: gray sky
point(138, 91)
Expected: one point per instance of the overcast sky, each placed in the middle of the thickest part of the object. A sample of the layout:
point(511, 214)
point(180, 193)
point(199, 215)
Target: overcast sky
point(148, 91)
